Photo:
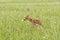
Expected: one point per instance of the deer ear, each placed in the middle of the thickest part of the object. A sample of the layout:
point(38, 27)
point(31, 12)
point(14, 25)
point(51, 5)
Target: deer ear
point(27, 16)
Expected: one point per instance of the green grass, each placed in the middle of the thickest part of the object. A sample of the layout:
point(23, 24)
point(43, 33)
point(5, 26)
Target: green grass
point(29, 1)
point(13, 28)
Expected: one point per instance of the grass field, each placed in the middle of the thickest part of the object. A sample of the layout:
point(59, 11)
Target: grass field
point(29, 1)
point(13, 28)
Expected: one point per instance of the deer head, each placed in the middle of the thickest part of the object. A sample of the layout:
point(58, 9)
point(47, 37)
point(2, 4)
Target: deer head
point(26, 17)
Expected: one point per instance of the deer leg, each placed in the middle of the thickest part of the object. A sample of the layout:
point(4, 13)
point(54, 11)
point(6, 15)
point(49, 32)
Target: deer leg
point(39, 27)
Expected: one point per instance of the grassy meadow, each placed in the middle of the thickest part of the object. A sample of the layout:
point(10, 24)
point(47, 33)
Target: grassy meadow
point(28, 1)
point(13, 28)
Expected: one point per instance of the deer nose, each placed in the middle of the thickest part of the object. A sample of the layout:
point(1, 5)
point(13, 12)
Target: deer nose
point(24, 19)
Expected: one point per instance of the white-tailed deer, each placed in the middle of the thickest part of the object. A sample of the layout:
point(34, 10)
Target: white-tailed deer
point(33, 21)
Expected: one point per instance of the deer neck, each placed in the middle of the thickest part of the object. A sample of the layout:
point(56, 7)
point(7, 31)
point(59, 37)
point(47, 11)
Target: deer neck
point(29, 19)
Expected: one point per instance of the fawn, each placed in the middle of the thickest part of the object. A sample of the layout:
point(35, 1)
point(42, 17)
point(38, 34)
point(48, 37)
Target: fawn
point(33, 21)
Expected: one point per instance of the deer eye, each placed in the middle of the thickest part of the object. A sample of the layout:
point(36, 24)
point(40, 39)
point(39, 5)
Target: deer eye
point(24, 19)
